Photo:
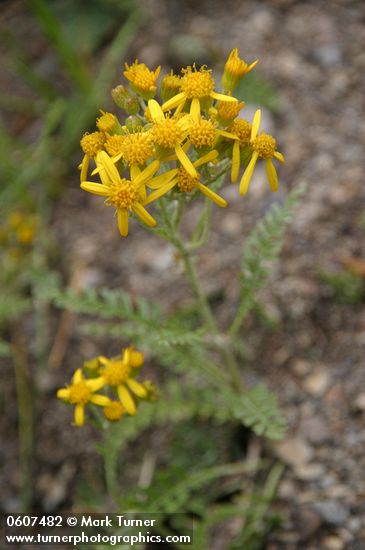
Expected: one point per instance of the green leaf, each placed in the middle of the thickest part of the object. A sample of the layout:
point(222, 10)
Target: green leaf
point(258, 409)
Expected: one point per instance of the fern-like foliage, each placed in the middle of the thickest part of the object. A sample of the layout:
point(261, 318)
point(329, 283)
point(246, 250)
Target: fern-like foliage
point(258, 409)
point(263, 246)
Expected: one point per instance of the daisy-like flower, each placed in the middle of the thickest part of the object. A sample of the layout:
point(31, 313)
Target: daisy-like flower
point(142, 79)
point(125, 195)
point(107, 122)
point(187, 183)
point(114, 411)
point(81, 392)
point(196, 86)
point(134, 148)
point(204, 132)
point(263, 146)
point(118, 373)
point(91, 144)
point(234, 69)
point(169, 133)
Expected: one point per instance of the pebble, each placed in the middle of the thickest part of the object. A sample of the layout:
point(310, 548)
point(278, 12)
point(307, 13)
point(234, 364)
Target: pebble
point(315, 429)
point(293, 451)
point(332, 511)
point(309, 472)
point(333, 543)
point(317, 383)
point(308, 522)
point(301, 367)
point(359, 403)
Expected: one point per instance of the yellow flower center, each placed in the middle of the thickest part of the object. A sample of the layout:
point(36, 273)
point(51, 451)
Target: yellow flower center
point(79, 393)
point(141, 77)
point(185, 182)
point(236, 66)
point(122, 194)
point(167, 133)
point(202, 132)
point(107, 122)
point(242, 129)
point(114, 411)
point(115, 373)
point(228, 110)
point(170, 85)
point(136, 148)
point(264, 145)
point(196, 83)
point(92, 143)
point(113, 144)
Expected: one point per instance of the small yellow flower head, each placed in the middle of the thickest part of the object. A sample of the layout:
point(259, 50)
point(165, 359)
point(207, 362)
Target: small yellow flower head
point(122, 194)
point(229, 111)
point(170, 86)
point(264, 145)
point(241, 128)
point(79, 393)
point(26, 233)
point(142, 79)
point(92, 143)
point(167, 133)
point(136, 148)
point(114, 411)
point(202, 133)
point(185, 182)
point(197, 83)
point(115, 372)
point(113, 144)
point(136, 358)
point(107, 122)
point(234, 69)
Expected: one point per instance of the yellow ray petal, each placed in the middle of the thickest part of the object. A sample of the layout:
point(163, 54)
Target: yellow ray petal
point(95, 188)
point(160, 192)
point(134, 171)
point(223, 97)
point(127, 400)
point(144, 215)
point(252, 65)
point(212, 195)
point(63, 393)
point(255, 124)
point(272, 175)
point(100, 400)
point(228, 135)
point(109, 166)
point(136, 388)
point(206, 158)
point(248, 173)
point(185, 161)
point(155, 111)
point(236, 161)
point(84, 168)
point(147, 173)
point(123, 222)
point(77, 377)
point(279, 156)
point(174, 102)
point(95, 384)
point(195, 108)
point(162, 179)
point(79, 415)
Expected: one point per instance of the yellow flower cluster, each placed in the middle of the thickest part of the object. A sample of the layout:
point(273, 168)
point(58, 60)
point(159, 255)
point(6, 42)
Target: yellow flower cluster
point(18, 232)
point(117, 378)
point(168, 146)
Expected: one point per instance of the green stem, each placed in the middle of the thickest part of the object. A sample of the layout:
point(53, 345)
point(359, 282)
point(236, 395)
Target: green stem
point(238, 319)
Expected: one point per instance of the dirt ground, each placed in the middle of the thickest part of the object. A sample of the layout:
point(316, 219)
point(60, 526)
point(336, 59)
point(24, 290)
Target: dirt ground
point(313, 53)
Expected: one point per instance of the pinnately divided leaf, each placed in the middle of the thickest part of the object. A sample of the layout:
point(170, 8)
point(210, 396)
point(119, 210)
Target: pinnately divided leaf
point(258, 409)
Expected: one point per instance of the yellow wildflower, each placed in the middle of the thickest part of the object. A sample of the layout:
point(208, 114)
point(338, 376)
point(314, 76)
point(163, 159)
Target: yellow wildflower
point(117, 373)
point(226, 112)
point(125, 195)
point(263, 146)
point(107, 122)
point(234, 70)
point(187, 183)
point(113, 144)
point(170, 133)
point(196, 86)
point(114, 411)
point(170, 86)
point(242, 130)
point(142, 79)
point(91, 144)
point(81, 392)
point(136, 148)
